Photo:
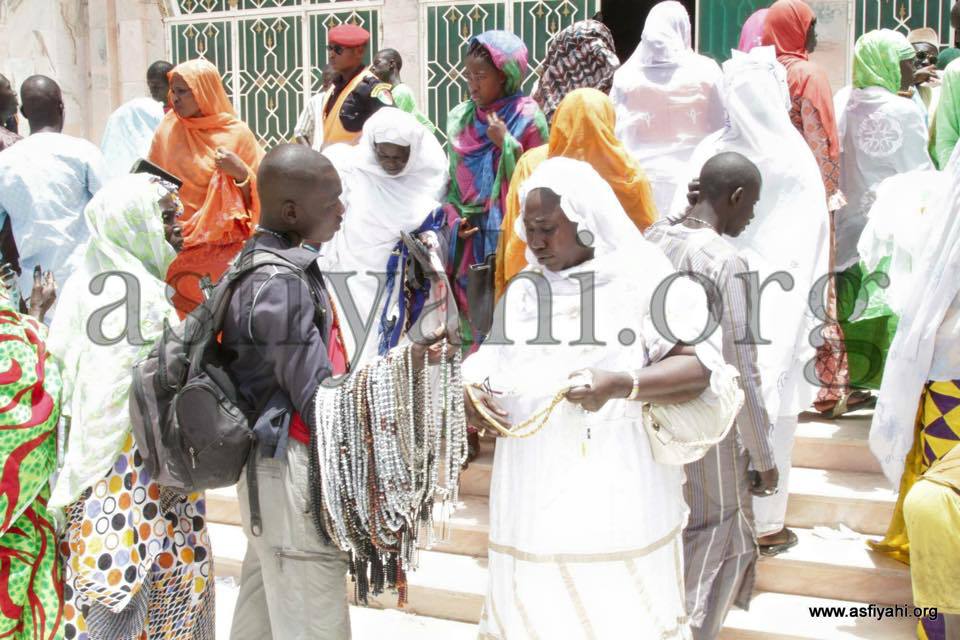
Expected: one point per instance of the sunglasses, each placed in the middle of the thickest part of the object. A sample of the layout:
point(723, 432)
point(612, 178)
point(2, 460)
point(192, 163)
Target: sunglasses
point(336, 48)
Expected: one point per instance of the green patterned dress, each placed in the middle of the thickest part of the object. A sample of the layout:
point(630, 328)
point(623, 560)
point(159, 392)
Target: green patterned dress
point(31, 587)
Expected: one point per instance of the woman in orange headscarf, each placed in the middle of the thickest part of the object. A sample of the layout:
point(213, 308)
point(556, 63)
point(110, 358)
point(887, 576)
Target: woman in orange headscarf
point(582, 129)
point(791, 28)
point(202, 142)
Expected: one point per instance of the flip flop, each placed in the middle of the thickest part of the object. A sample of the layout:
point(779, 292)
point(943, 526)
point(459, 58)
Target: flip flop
point(843, 406)
point(770, 550)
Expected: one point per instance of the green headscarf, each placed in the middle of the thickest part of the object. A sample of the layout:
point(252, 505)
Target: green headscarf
point(126, 236)
point(947, 126)
point(947, 56)
point(877, 57)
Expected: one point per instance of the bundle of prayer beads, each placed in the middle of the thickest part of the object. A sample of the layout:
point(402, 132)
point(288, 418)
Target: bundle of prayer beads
point(387, 448)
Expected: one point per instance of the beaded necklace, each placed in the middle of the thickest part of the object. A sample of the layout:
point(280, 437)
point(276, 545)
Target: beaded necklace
point(382, 437)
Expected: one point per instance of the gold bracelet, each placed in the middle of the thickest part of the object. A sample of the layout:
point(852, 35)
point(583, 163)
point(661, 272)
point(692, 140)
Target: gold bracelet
point(246, 181)
point(635, 389)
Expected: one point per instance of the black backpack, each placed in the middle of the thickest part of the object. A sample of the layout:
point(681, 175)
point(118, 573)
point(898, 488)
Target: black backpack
point(191, 427)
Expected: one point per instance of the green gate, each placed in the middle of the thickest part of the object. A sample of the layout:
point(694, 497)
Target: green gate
point(905, 15)
point(721, 20)
point(448, 25)
point(270, 52)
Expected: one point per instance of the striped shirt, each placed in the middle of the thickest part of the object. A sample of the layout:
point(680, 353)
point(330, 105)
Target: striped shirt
point(704, 252)
point(719, 541)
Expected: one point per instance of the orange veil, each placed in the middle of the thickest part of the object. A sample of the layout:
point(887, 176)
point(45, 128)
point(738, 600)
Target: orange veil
point(582, 129)
point(216, 219)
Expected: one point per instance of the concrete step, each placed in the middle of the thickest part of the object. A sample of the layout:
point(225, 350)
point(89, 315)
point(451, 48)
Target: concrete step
point(772, 616)
point(818, 497)
point(222, 506)
point(364, 622)
point(367, 622)
point(861, 501)
point(840, 444)
point(451, 586)
point(777, 616)
point(475, 481)
point(835, 569)
point(229, 546)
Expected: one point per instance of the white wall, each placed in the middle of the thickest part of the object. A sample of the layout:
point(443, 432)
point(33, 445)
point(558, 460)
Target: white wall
point(48, 37)
point(400, 19)
point(97, 50)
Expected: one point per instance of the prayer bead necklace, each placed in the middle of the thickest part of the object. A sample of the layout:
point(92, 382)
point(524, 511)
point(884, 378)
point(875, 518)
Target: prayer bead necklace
point(526, 429)
point(381, 441)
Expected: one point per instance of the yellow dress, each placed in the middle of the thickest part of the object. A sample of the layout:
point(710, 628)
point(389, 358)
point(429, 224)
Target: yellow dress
point(938, 432)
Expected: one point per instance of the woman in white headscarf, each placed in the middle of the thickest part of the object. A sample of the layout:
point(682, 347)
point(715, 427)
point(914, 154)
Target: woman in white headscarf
point(667, 98)
point(790, 233)
point(567, 522)
point(392, 181)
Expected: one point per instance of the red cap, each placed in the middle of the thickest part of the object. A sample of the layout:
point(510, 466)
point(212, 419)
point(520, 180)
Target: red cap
point(348, 35)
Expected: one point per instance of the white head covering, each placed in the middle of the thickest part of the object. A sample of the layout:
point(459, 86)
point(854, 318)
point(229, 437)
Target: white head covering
point(667, 99)
point(587, 200)
point(380, 206)
point(918, 338)
point(666, 35)
point(623, 258)
point(626, 270)
point(790, 231)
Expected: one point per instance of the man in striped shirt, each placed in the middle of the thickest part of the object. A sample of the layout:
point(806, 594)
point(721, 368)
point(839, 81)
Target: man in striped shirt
point(720, 545)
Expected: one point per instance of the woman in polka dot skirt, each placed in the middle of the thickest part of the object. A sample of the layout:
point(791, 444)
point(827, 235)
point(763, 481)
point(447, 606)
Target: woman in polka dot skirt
point(136, 557)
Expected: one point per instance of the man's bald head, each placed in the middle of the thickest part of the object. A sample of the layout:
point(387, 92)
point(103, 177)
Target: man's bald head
point(299, 193)
point(724, 173)
point(42, 103)
point(730, 183)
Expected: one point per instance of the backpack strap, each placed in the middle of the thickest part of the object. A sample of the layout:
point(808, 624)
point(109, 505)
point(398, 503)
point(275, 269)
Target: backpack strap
point(213, 313)
point(219, 305)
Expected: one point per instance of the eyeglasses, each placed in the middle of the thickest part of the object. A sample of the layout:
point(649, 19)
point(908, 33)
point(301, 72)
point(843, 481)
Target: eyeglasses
point(924, 59)
point(336, 48)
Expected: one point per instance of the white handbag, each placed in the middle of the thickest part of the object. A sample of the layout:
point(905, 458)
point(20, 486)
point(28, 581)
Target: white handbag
point(683, 433)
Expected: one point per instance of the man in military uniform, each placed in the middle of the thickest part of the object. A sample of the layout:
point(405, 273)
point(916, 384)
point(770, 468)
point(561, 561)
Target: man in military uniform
point(357, 93)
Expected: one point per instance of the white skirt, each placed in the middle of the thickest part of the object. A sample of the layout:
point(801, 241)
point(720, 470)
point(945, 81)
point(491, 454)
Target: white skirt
point(585, 534)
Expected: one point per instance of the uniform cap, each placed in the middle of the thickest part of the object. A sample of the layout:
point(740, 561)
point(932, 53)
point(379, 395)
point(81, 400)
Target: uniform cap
point(348, 35)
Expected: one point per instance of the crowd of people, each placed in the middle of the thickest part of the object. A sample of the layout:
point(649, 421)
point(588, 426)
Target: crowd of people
point(600, 249)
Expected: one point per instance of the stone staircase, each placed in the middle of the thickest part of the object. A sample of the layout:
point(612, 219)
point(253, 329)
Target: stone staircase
point(835, 481)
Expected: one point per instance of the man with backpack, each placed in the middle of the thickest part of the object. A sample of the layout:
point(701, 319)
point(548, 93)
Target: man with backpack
point(280, 339)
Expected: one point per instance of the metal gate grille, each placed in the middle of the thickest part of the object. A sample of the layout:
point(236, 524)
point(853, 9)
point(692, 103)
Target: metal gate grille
point(904, 15)
point(270, 53)
point(446, 27)
point(720, 20)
